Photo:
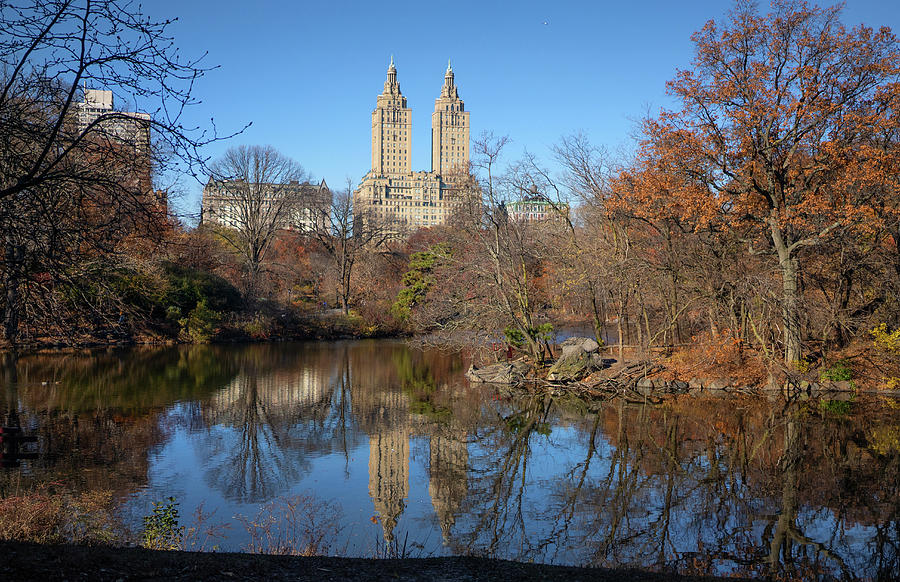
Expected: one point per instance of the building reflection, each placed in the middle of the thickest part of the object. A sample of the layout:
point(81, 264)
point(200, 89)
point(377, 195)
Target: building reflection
point(281, 396)
point(389, 450)
point(389, 431)
point(389, 476)
point(279, 411)
point(448, 482)
point(399, 401)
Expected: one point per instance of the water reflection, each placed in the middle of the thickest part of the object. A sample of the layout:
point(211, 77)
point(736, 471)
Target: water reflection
point(695, 485)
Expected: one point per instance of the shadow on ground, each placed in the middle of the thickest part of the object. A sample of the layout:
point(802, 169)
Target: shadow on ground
point(20, 561)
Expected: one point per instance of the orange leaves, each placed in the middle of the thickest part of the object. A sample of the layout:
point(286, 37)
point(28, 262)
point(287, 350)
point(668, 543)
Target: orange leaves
point(782, 115)
point(649, 193)
point(724, 355)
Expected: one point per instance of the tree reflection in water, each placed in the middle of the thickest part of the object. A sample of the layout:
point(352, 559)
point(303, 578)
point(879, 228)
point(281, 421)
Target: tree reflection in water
point(737, 485)
point(694, 486)
point(273, 414)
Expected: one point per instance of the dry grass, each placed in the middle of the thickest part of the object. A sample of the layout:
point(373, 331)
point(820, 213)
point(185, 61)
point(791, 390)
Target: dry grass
point(723, 356)
point(301, 525)
point(204, 534)
point(48, 517)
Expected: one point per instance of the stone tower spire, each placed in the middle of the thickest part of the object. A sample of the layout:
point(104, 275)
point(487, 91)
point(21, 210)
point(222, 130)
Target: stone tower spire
point(448, 91)
point(391, 86)
point(403, 200)
point(449, 130)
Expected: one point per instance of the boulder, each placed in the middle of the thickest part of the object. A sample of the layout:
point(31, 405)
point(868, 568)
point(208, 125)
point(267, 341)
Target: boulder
point(502, 373)
point(575, 345)
point(718, 384)
point(679, 386)
point(578, 358)
point(648, 383)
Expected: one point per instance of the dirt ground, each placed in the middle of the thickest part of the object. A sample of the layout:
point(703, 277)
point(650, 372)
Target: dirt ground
point(20, 561)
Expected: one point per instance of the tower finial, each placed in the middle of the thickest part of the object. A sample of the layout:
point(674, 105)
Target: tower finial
point(449, 67)
point(390, 84)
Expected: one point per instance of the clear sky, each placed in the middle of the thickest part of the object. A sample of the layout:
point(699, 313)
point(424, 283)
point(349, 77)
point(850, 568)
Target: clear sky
point(306, 74)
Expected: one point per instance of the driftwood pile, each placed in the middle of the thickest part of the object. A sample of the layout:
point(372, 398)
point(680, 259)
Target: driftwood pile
point(620, 380)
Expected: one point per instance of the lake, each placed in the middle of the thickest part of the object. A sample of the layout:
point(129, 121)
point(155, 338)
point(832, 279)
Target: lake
point(375, 448)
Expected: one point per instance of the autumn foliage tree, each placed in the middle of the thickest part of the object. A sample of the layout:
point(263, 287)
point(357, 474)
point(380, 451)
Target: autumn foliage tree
point(778, 138)
point(76, 199)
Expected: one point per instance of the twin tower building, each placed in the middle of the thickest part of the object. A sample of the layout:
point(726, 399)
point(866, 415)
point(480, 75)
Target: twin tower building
point(391, 192)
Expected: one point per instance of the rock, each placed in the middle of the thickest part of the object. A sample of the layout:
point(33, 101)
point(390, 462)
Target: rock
point(644, 390)
point(645, 383)
point(601, 363)
point(679, 386)
point(585, 344)
point(502, 373)
point(718, 384)
point(578, 358)
point(843, 395)
point(571, 367)
point(772, 386)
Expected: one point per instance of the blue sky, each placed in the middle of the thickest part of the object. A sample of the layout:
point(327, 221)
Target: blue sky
point(307, 73)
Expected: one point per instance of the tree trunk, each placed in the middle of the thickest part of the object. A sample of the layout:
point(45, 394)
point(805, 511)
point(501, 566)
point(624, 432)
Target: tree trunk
point(713, 328)
point(789, 311)
point(534, 348)
point(14, 257)
point(345, 295)
point(897, 254)
point(780, 546)
point(845, 288)
point(346, 269)
point(790, 316)
point(11, 313)
point(254, 265)
point(619, 331)
point(596, 316)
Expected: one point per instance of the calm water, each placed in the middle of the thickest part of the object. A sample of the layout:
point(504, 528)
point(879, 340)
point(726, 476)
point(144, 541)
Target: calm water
point(381, 447)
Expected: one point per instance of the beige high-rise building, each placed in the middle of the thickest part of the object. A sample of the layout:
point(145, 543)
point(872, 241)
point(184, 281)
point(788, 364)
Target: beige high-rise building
point(126, 137)
point(391, 125)
point(449, 130)
point(125, 128)
point(391, 193)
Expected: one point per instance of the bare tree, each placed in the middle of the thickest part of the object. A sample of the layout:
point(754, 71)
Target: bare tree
point(256, 191)
point(507, 248)
point(347, 233)
point(75, 187)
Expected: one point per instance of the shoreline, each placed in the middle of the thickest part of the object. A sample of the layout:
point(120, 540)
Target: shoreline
point(656, 379)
